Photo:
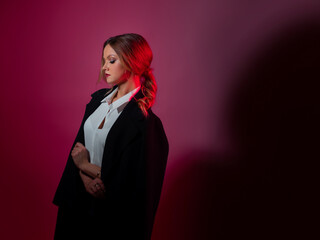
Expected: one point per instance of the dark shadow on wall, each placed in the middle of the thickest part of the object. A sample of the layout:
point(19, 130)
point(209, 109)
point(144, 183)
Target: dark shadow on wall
point(274, 116)
point(268, 189)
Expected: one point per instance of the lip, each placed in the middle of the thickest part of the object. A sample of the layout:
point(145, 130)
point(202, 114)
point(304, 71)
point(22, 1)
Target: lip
point(107, 75)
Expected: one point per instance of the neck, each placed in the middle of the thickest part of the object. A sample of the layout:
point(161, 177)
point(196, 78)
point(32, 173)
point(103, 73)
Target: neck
point(125, 87)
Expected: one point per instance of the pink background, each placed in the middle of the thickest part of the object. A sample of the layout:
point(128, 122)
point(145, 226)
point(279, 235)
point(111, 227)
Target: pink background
point(50, 58)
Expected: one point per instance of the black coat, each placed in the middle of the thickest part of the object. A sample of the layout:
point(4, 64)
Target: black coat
point(133, 167)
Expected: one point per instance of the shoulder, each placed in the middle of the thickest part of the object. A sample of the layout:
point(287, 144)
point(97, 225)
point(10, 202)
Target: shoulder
point(153, 117)
point(100, 93)
point(143, 122)
point(155, 133)
point(154, 122)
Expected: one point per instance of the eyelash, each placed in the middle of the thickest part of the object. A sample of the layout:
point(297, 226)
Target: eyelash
point(111, 61)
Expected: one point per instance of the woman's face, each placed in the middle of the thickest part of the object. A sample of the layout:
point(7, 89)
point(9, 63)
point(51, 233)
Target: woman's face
point(113, 68)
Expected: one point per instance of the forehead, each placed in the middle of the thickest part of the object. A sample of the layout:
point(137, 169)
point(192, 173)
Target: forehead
point(108, 51)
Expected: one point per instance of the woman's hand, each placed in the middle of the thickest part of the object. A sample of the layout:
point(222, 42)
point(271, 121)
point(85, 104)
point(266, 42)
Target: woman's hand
point(97, 188)
point(80, 155)
point(94, 187)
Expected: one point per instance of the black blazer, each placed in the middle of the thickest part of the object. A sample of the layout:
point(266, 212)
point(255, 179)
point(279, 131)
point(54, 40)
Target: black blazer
point(133, 167)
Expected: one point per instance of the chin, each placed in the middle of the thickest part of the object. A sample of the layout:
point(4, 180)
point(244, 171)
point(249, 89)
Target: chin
point(111, 83)
point(108, 81)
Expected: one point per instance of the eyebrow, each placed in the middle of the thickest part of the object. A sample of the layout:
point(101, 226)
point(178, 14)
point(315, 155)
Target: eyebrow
point(110, 56)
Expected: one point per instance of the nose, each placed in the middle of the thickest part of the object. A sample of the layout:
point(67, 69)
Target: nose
point(105, 66)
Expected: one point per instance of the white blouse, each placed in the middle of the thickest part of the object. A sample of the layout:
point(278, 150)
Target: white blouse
point(94, 137)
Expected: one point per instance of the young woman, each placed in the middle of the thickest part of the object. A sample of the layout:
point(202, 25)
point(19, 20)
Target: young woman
point(112, 181)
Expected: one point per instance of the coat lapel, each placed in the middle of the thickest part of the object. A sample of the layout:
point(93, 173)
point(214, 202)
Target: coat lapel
point(96, 101)
point(125, 128)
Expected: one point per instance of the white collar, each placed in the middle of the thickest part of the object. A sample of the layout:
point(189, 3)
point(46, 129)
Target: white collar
point(124, 99)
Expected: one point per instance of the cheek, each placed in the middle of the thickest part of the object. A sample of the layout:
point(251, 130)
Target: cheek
point(120, 69)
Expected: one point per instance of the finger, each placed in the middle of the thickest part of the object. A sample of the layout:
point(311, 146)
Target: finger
point(88, 189)
point(96, 193)
point(74, 151)
point(78, 144)
point(97, 186)
point(93, 194)
point(93, 189)
point(99, 181)
point(102, 188)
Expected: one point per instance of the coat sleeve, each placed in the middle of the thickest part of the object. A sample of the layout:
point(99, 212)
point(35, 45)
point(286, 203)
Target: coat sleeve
point(70, 191)
point(157, 149)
